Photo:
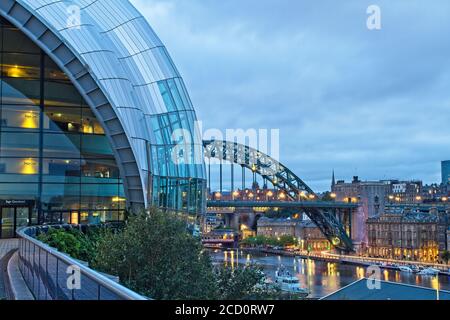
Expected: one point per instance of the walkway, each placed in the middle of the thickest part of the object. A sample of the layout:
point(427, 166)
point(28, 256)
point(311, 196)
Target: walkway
point(6, 246)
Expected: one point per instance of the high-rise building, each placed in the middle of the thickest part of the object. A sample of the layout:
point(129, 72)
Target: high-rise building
point(445, 172)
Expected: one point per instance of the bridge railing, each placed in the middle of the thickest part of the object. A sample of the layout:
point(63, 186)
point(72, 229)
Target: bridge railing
point(52, 275)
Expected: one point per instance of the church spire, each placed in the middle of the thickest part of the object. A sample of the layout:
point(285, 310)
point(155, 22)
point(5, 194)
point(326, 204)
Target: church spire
point(333, 181)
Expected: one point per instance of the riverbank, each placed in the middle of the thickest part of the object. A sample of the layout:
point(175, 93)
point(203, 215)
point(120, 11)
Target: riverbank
point(350, 260)
point(321, 276)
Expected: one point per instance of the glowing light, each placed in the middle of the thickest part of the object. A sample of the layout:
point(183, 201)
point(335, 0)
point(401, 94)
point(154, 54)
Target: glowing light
point(118, 199)
point(333, 195)
point(311, 196)
point(29, 167)
point(15, 72)
point(30, 120)
point(88, 129)
point(270, 194)
point(74, 218)
point(282, 196)
point(336, 241)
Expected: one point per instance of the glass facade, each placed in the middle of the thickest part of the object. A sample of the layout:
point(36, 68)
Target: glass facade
point(56, 160)
point(54, 155)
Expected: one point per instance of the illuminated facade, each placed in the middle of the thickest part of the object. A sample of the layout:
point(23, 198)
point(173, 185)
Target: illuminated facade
point(409, 233)
point(89, 117)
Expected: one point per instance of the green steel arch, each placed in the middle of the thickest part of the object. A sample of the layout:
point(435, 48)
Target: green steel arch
point(284, 179)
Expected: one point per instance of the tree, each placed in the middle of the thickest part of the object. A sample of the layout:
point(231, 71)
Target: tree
point(243, 283)
point(155, 256)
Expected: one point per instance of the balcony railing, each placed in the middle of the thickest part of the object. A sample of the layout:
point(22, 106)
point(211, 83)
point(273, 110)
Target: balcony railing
point(52, 275)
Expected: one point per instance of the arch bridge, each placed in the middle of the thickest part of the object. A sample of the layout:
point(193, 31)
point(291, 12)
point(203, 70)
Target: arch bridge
point(297, 193)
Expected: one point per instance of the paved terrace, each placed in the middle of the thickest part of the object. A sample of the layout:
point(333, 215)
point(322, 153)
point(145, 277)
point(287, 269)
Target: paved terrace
point(6, 246)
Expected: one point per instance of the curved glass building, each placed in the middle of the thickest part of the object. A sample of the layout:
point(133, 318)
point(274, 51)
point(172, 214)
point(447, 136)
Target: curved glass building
point(94, 116)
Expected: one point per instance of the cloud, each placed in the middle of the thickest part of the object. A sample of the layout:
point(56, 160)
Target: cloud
point(372, 103)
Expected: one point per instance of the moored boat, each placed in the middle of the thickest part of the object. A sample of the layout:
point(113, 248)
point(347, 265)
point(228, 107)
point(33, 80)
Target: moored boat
point(289, 283)
point(405, 269)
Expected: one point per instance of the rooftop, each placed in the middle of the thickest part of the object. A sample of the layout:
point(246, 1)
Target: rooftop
point(418, 213)
point(359, 290)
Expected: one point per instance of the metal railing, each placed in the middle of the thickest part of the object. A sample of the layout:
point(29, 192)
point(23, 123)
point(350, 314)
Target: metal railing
point(52, 275)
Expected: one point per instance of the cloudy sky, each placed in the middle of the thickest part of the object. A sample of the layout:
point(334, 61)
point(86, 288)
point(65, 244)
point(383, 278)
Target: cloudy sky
point(368, 103)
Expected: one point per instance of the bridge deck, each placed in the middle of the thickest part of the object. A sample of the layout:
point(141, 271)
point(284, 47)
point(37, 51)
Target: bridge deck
point(282, 204)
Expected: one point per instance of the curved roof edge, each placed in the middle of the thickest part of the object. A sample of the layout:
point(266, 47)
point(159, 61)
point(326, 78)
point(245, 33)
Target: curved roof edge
point(84, 80)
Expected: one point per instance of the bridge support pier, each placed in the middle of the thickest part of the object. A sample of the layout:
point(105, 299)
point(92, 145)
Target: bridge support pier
point(232, 221)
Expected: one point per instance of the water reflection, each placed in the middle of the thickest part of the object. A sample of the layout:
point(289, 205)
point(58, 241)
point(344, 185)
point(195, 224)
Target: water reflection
point(320, 277)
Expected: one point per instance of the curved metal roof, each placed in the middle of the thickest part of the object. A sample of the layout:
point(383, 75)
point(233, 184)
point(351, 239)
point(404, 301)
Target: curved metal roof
point(115, 59)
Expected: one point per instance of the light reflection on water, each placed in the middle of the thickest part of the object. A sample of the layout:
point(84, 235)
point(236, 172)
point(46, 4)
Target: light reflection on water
point(320, 277)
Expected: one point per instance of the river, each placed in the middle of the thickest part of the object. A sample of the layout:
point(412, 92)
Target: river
point(321, 278)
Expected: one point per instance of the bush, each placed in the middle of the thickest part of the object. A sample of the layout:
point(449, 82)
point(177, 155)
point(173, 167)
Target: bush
point(282, 241)
point(79, 245)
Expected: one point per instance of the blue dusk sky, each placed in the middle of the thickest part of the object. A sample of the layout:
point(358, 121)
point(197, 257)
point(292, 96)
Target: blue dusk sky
point(369, 103)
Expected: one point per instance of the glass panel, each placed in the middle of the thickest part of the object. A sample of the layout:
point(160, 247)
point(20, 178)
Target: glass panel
point(7, 223)
point(66, 146)
point(19, 169)
point(90, 124)
point(62, 119)
point(96, 146)
point(99, 171)
point(17, 65)
point(21, 91)
point(61, 93)
point(18, 42)
point(52, 71)
point(16, 144)
point(22, 217)
point(20, 117)
point(18, 191)
point(61, 170)
point(167, 96)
